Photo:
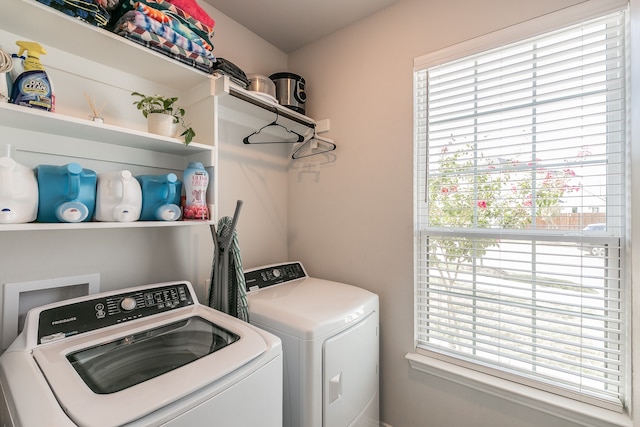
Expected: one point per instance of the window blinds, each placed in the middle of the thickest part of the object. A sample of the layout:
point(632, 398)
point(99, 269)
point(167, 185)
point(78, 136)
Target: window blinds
point(520, 210)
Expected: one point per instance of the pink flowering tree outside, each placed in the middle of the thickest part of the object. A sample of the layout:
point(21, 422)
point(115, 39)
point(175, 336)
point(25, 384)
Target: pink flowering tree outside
point(476, 193)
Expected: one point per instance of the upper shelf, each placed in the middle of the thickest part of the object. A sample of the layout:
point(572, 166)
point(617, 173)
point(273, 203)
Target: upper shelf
point(244, 107)
point(25, 18)
point(36, 21)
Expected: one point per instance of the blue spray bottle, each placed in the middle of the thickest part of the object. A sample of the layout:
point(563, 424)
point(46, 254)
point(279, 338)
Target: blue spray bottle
point(33, 88)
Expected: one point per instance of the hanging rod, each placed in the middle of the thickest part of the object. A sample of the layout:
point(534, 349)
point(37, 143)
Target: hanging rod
point(282, 112)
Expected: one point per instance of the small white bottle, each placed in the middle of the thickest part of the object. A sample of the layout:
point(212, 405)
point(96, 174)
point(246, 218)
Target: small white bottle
point(195, 181)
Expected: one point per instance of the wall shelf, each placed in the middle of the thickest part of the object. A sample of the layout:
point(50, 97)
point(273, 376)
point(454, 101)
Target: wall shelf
point(36, 21)
point(243, 107)
point(36, 120)
point(99, 141)
point(240, 106)
point(89, 140)
point(94, 225)
point(77, 138)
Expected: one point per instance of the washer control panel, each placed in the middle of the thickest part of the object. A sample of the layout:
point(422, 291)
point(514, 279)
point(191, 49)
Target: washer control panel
point(263, 277)
point(95, 312)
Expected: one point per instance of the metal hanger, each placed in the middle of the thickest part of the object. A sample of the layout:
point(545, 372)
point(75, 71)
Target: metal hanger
point(311, 147)
point(299, 138)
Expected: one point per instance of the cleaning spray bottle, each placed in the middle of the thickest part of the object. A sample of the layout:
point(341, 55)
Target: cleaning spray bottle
point(33, 88)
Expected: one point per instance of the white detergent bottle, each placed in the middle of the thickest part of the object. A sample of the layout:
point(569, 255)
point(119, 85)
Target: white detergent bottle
point(118, 197)
point(18, 192)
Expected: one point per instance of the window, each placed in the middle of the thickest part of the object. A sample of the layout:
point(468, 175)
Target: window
point(521, 211)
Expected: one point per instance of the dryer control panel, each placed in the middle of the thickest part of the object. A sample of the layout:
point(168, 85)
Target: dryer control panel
point(262, 277)
point(99, 311)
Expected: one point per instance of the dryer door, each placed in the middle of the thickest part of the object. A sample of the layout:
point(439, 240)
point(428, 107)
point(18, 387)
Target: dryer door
point(350, 376)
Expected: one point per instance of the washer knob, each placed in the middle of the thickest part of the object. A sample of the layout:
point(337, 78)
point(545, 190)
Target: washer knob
point(276, 272)
point(128, 304)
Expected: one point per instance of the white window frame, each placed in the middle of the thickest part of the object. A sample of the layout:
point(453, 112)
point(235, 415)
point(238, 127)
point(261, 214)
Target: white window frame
point(559, 406)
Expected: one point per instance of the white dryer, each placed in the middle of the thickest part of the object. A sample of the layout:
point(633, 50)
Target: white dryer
point(144, 356)
point(330, 339)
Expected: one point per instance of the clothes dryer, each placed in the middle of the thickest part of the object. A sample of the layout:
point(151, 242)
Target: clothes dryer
point(329, 332)
point(144, 356)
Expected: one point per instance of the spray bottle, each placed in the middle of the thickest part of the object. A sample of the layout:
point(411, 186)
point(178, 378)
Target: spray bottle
point(33, 88)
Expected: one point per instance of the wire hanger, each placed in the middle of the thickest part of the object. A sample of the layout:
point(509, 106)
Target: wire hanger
point(312, 146)
point(299, 138)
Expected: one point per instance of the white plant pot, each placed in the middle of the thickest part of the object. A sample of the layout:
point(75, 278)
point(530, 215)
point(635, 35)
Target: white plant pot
point(161, 124)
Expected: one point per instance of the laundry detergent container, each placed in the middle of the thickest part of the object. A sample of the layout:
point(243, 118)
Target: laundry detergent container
point(118, 197)
point(66, 193)
point(18, 192)
point(160, 197)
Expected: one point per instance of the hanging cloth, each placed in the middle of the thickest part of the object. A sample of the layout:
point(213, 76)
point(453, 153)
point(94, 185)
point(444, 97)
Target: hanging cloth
point(228, 288)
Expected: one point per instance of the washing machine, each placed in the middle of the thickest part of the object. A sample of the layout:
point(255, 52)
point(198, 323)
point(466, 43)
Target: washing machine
point(330, 339)
point(144, 356)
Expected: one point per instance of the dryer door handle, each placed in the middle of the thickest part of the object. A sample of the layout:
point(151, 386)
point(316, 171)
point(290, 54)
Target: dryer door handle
point(335, 388)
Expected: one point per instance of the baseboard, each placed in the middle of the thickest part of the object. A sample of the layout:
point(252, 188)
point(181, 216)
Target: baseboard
point(385, 424)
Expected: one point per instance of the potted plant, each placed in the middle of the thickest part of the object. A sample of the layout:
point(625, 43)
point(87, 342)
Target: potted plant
point(163, 117)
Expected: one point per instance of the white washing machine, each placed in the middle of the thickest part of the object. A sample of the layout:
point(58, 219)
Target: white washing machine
point(330, 340)
point(144, 356)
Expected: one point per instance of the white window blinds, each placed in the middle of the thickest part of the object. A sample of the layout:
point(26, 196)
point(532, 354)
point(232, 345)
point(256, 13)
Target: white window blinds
point(520, 211)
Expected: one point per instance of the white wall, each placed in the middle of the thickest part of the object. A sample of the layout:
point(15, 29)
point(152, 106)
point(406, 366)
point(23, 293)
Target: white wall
point(355, 223)
point(255, 174)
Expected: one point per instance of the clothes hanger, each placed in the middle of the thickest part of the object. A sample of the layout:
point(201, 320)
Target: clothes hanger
point(299, 138)
point(311, 146)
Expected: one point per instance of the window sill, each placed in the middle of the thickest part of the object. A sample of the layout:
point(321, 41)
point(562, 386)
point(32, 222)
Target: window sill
point(552, 404)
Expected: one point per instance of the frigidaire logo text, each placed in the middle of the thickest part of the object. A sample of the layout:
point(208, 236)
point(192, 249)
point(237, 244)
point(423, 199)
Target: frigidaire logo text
point(67, 320)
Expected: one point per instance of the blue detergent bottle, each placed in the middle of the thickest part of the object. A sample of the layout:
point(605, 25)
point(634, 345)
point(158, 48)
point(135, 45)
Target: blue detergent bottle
point(160, 197)
point(33, 88)
point(66, 193)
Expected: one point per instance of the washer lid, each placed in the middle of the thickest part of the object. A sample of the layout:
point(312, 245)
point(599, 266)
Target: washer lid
point(117, 375)
point(310, 308)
